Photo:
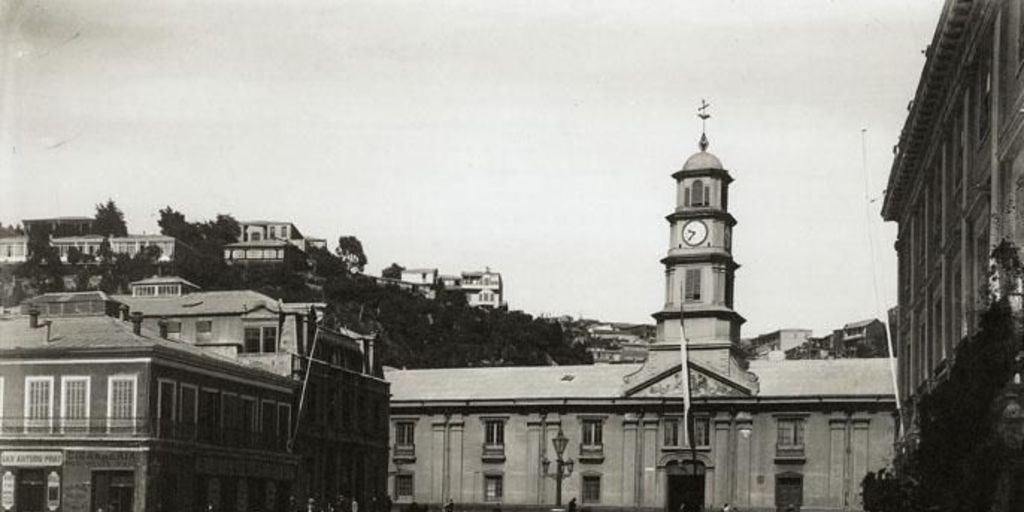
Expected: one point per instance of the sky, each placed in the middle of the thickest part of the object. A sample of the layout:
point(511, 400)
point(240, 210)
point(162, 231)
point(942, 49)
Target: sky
point(536, 138)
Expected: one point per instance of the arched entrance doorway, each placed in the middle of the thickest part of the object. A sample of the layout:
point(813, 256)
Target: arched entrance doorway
point(685, 485)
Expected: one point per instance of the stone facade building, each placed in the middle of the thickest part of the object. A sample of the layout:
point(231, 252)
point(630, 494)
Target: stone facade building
point(766, 434)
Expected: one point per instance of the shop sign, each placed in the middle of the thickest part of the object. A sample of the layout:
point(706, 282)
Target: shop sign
point(53, 491)
point(7, 491)
point(31, 459)
point(106, 459)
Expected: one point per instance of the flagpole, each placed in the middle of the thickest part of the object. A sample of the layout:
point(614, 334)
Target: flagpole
point(684, 369)
point(305, 385)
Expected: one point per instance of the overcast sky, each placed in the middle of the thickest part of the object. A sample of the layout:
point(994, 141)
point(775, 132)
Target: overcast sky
point(534, 137)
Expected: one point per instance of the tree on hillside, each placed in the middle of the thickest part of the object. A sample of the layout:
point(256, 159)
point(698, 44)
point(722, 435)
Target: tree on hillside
point(350, 250)
point(203, 261)
point(392, 272)
point(43, 267)
point(109, 220)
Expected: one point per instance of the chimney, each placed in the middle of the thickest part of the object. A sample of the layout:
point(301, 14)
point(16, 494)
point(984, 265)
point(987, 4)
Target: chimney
point(125, 313)
point(33, 317)
point(136, 322)
point(162, 323)
point(370, 362)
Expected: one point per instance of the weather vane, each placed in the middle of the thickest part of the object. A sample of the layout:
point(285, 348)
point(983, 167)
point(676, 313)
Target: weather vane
point(702, 113)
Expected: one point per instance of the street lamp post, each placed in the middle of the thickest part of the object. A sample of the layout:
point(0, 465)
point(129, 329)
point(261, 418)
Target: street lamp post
point(563, 466)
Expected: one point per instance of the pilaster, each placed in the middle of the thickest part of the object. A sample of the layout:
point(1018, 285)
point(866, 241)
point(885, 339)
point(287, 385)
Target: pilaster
point(534, 455)
point(439, 462)
point(723, 467)
point(744, 423)
point(456, 451)
point(631, 468)
point(651, 495)
point(836, 459)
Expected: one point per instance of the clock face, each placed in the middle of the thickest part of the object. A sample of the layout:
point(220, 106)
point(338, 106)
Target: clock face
point(695, 232)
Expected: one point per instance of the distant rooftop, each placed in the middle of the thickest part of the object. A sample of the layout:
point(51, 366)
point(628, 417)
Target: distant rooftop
point(200, 303)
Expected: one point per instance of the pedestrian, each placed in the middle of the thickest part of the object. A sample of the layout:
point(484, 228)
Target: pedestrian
point(572, 505)
point(413, 507)
point(387, 503)
point(355, 505)
point(726, 508)
point(450, 506)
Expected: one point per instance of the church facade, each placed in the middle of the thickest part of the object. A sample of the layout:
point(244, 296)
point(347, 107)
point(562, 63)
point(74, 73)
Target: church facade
point(762, 435)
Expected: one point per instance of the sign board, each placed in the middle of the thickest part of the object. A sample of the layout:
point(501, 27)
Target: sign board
point(7, 491)
point(25, 459)
point(53, 491)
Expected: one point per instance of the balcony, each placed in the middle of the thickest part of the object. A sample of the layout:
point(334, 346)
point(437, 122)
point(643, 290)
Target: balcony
point(404, 453)
point(493, 453)
point(792, 454)
point(591, 453)
point(103, 427)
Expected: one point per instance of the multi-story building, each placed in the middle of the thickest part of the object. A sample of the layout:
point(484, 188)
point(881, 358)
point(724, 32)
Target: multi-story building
point(956, 187)
point(483, 288)
point(264, 252)
point(766, 436)
point(60, 226)
point(260, 230)
point(98, 413)
point(782, 339)
point(341, 419)
point(15, 249)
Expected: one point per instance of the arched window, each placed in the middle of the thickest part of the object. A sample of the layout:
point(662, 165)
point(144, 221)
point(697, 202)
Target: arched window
point(698, 193)
point(686, 196)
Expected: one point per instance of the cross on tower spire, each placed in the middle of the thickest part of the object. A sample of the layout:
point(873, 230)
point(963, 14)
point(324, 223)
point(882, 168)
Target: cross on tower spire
point(702, 113)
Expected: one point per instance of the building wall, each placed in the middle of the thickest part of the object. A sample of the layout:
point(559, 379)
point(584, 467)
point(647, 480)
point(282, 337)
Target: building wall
point(962, 189)
point(840, 448)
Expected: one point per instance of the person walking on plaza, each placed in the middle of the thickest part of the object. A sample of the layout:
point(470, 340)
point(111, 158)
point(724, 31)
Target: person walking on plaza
point(572, 505)
point(726, 508)
point(450, 506)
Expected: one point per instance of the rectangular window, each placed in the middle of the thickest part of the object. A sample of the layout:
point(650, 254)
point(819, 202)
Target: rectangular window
point(252, 340)
point(204, 330)
point(166, 407)
point(702, 431)
point(74, 404)
point(791, 433)
point(268, 420)
point(591, 489)
point(269, 340)
point(671, 432)
point(284, 422)
point(492, 487)
point(494, 432)
point(174, 331)
point(405, 433)
point(121, 403)
point(403, 486)
point(692, 285)
point(592, 432)
point(38, 404)
point(188, 411)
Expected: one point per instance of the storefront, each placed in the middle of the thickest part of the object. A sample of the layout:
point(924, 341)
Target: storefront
point(30, 480)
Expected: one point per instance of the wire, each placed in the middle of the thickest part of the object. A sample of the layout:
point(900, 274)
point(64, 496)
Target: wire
point(874, 272)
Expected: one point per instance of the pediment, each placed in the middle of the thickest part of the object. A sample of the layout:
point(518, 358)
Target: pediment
point(704, 383)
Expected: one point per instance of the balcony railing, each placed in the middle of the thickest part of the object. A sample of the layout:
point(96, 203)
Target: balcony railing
point(14, 427)
point(404, 452)
point(493, 453)
point(791, 453)
point(592, 453)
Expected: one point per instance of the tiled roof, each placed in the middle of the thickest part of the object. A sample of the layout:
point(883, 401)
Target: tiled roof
point(814, 377)
point(86, 332)
point(68, 297)
point(841, 377)
point(583, 381)
point(164, 280)
point(200, 303)
point(258, 243)
point(862, 323)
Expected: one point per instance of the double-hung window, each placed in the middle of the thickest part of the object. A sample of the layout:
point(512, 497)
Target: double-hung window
point(493, 487)
point(790, 439)
point(404, 433)
point(39, 404)
point(121, 404)
point(592, 433)
point(74, 404)
point(494, 432)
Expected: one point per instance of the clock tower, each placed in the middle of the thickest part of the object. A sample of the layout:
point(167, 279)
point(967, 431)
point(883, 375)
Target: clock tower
point(699, 268)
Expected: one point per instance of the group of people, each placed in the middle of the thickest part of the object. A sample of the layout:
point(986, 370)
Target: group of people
point(341, 503)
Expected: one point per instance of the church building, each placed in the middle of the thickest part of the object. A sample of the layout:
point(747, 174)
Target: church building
point(763, 434)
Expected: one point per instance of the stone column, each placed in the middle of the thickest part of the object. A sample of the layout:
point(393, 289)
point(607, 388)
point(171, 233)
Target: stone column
point(631, 467)
point(744, 423)
point(439, 462)
point(723, 469)
point(859, 451)
point(652, 492)
point(836, 459)
point(534, 455)
point(456, 447)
